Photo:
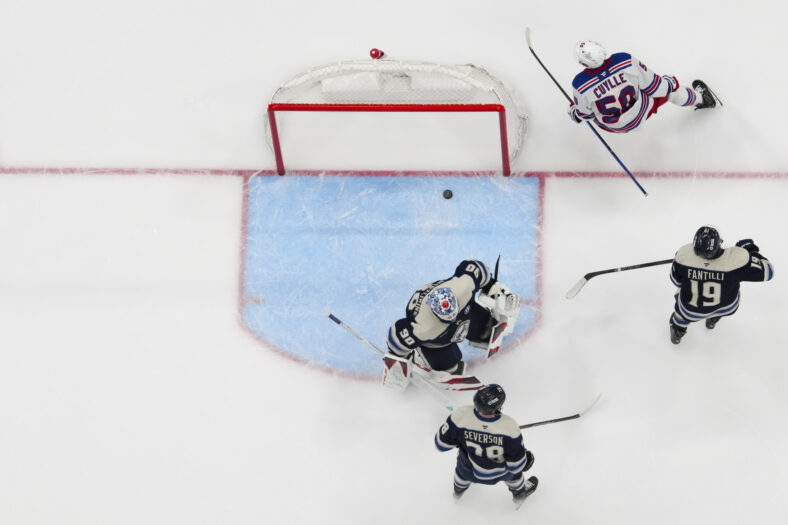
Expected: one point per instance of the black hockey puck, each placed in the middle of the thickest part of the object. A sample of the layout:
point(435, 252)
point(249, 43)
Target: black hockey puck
point(447, 194)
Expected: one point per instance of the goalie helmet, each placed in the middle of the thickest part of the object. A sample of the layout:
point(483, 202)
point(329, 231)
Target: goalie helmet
point(707, 242)
point(443, 304)
point(489, 400)
point(590, 54)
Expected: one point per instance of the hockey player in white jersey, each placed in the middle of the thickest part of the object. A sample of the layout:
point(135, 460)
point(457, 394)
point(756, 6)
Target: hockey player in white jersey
point(490, 446)
point(442, 314)
point(708, 277)
point(618, 92)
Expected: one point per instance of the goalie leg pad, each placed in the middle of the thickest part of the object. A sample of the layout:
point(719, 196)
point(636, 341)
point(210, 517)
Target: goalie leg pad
point(396, 372)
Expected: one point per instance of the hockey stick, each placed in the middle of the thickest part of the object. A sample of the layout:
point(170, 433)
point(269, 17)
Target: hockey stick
point(528, 40)
point(452, 382)
point(567, 418)
point(579, 285)
point(417, 380)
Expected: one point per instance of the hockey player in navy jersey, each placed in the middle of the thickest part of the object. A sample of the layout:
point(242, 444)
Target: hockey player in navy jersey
point(708, 277)
point(442, 314)
point(490, 446)
point(618, 92)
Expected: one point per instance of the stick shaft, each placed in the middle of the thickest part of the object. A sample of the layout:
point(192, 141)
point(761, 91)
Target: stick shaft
point(338, 321)
point(419, 381)
point(626, 268)
point(582, 282)
point(567, 418)
point(549, 421)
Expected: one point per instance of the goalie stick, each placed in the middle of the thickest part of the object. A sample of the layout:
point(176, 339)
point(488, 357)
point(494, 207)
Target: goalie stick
point(582, 282)
point(591, 126)
point(558, 420)
point(447, 381)
point(417, 380)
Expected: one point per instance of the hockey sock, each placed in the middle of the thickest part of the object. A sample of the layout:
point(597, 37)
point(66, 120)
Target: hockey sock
point(685, 97)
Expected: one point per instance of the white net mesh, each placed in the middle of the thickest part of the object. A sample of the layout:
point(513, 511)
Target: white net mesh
point(404, 82)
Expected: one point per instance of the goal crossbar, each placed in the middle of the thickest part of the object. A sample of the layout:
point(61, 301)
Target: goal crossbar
point(409, 108)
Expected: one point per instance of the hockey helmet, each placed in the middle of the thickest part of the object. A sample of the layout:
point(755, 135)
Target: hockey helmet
point(443, 303)
point(590, 54)
point(707, 242)
point(489, 399)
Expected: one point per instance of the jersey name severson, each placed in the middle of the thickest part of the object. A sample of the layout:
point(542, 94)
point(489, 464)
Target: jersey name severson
point(481, 437)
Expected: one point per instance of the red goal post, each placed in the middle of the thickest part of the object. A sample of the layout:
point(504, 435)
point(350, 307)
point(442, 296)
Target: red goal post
point(400, 86)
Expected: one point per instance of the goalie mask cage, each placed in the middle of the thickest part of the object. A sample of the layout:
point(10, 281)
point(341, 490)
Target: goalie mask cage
point(400, 86)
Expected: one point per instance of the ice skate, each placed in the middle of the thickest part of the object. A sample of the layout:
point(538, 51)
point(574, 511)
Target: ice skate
point(519, 496)
point(676, 332)
point(708, 100)
point(459, 491)
point(711, 322)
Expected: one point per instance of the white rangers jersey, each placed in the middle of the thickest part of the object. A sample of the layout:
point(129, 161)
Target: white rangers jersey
point(619, 94)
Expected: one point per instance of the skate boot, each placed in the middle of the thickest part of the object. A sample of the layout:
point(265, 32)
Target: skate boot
point(707, 96)
point(676, 332)
point(711, 322)
point(459, 491)
point(518, 496)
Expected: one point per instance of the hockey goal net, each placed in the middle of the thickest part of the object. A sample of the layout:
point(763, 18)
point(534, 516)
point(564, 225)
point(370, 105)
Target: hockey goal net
point(400, 86)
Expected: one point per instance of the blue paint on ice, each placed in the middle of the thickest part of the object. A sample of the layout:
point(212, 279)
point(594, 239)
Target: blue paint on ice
point(359, 246)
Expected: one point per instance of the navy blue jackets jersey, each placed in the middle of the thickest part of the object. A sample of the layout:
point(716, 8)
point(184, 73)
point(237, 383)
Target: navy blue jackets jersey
point(711, 286)
point(619, 94)
point(422, 328)
point(492, 448)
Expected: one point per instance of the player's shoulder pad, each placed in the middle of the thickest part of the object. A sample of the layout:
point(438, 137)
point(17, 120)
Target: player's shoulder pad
point(615, 62)
point(732, 258)
point(477, 270)
point(686, 255)
point(622, 62)
point(460, 414)
point(617, 58)
point(508, 426)
point(581, 79)
point(465, 417)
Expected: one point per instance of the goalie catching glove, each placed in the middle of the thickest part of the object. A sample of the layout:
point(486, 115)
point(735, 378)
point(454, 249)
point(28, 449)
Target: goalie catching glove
point(504, 308)
point(502, 303)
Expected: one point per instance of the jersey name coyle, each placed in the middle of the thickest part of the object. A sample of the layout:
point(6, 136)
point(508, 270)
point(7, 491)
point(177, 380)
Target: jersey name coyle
point(608, 84)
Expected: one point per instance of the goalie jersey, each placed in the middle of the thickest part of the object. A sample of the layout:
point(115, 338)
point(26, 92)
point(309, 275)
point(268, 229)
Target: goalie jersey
point(712, 285)
point(422, 328)
point(491, 448)
point(619, 94)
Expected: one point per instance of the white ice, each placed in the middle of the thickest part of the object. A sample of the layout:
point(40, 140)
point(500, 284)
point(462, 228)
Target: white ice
point(129, 392)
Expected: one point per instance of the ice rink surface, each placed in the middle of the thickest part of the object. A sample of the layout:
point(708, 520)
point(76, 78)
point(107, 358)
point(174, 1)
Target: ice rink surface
point(132, 392)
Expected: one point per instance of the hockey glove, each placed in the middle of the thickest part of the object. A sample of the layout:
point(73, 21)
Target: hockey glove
point(573, 113)
point(748, 245)
point(490, 283)
point(529, 460)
